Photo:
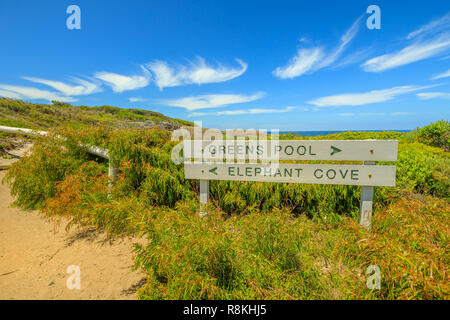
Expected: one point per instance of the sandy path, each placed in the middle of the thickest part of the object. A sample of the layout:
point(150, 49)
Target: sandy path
point(13, 156)
point(35, 255)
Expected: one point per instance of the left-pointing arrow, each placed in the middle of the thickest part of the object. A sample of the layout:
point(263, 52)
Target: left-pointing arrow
point(213, 170)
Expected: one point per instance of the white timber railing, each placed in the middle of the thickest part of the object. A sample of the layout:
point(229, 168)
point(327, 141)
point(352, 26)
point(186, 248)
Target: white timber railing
point(103, 153)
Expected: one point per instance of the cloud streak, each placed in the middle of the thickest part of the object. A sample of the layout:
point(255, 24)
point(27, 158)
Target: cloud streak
point(442, 75)
point(198, 72)
point(120, 83)
point(433, 95)
point(429, 40)
point(242, 112)
point(305, 61)
point(360, 99)
point(19, 92)
point(432, 27)
point(211, 100)
point(309, 60)
point(9, 94)
point(83, 88)
point(136, 99)
point(413, 53)
point(365, 114)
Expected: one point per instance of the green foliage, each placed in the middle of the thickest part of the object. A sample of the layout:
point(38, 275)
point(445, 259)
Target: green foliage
point(423, 169)
point(17, 113)
point(145, 163)
point(409, 242)
point(12, 123)
point(255, 256)
point(312, 200)
point(350, 135)
point(436, 134)
point(259, 240)
point(33, 179)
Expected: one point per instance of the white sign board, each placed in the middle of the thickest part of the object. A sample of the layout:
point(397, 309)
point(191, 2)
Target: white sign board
point(356, 150)
point(294, 173)
point(237, 160)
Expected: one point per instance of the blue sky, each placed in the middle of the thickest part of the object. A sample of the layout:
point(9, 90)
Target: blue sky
point(287, 65)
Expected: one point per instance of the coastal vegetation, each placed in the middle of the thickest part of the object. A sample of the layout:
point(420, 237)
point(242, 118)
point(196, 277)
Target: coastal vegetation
point(259, 240)
point(18, 113)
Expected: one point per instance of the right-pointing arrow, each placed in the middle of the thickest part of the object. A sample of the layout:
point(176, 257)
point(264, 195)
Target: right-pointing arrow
point(334, 150)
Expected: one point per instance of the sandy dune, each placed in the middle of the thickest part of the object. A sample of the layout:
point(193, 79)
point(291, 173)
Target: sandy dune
point(35, 255)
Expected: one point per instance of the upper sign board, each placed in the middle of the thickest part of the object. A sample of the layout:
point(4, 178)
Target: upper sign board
point(357, 150)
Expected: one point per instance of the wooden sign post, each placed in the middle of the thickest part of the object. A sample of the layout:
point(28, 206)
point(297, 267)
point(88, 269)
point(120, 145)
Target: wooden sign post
point(237, 160)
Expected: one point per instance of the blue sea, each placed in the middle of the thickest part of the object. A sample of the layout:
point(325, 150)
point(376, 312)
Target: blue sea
point(322, 133)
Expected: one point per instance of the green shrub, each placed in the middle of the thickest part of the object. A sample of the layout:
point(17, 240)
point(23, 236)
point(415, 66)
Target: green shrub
point(436, 134)
point(424, 169)
point(33, 178)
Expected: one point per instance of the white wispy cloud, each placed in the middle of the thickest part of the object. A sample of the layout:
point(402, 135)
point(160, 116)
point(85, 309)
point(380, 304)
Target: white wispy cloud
point(198, 72)
point(9, 94)
point(436, 25)
point(83, 87)
point(354, 57)
point(120, 83)
point(346, 38)
point(241, 112)
point(18, 92)
point(442, 75)
point(346, 114)
point(136, 99)
point(433, 95)
point(359, 99)
point(211, 100)
point(305, 61)
point(402, 113)
point(415, 52)
point(309, 60)
point(374, 114)
point(428, 41)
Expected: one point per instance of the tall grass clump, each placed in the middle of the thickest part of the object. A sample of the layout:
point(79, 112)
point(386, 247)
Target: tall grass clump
point(409, 241)
point(256, 256)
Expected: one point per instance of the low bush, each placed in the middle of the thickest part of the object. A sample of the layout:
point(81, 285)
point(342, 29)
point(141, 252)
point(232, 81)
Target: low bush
point(409, 242)
point(423, 169)
point(33, 179)
point(436, 134)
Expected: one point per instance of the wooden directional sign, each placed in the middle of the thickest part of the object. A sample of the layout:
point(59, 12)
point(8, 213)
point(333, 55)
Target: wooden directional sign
point(357, 150)
point(215, 160)
point(294, 173)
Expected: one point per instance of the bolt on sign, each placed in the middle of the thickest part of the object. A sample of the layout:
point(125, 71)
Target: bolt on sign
point(259, 160)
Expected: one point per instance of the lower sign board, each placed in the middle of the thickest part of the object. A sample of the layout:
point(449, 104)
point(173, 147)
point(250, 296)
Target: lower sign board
point(293, 173)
